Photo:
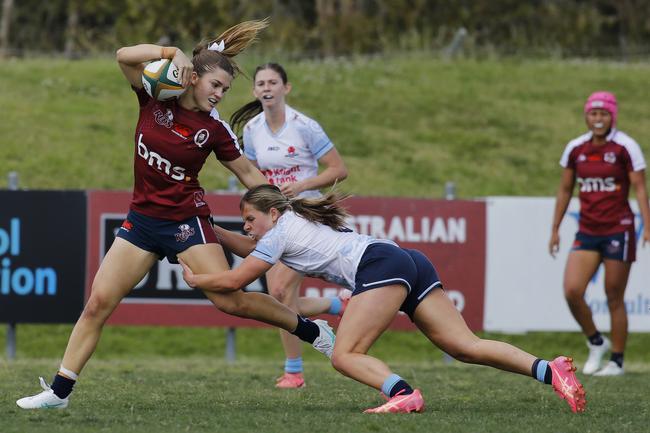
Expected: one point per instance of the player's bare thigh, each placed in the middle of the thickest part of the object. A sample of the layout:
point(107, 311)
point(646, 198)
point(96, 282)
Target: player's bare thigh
point(437, 317)
point(580, 267)
point(616, 276)
point(210, 258)
point(122, 268)
point(366, 317)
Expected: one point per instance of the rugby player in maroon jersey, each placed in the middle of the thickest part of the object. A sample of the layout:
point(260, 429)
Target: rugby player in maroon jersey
point(604, 162)
point(168, 216)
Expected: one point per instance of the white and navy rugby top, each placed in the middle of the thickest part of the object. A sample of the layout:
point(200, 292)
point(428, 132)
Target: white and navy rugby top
point(314, 249)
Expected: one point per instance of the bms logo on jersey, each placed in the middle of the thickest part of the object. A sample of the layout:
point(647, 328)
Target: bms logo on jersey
point(597, 184)
point(157, 161)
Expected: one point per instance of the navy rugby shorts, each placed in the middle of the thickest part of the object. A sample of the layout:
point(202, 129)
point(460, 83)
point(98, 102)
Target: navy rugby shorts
point(384, 264)
point(166, 237)
point(617, 246)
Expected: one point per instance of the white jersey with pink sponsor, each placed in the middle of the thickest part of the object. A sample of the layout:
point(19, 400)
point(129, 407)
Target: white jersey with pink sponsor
point(602, 175)
point(289, 155)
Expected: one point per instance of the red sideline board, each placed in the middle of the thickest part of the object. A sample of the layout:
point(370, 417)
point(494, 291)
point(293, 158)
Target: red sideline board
point(450, 233)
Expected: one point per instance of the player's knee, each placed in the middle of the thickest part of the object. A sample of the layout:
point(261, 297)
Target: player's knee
point(614, 299)
point(278, 292)
point(232, 304)
point(467, 353)
point(339, 362)
point(572, 294)
point(97, 308)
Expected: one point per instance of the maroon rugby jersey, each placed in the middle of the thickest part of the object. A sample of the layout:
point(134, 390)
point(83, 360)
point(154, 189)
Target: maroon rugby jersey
point(602, 174)
point(171, 146)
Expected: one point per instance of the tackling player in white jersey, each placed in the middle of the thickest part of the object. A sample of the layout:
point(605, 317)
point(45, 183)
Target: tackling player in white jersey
point(288, 148)
point(310, 236)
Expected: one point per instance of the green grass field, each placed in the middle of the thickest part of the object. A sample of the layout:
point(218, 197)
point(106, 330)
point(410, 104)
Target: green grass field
point(176, 379)
point(200, 394)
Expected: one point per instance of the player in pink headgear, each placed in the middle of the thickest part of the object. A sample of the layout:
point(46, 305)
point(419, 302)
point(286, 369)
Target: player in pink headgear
point(604, 101)
point(604, 162)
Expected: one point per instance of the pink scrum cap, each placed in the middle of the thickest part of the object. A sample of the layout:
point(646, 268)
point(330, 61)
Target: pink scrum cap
point(604, 100)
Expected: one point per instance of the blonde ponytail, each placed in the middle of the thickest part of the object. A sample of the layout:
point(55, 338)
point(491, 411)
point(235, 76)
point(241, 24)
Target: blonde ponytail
point(234, 40)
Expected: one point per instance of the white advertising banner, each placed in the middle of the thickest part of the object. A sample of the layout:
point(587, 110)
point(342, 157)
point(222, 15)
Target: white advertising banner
point(523, 290)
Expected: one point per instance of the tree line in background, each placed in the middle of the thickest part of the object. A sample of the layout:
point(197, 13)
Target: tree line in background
point(323, 28)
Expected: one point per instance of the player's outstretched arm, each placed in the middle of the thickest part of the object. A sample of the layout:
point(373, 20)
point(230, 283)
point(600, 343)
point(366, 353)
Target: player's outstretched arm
point(227, 281)
point(246, 172)
point(236, 242)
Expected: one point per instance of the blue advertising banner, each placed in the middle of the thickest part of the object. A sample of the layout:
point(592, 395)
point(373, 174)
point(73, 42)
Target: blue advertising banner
point(42, 256)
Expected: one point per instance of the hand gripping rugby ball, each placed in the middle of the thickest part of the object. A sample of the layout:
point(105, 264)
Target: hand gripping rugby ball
point(160, 80)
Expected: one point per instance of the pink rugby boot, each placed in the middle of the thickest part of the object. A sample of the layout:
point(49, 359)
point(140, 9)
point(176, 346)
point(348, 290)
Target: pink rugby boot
point(401, 404)
point(290, 380)
point(566, 384)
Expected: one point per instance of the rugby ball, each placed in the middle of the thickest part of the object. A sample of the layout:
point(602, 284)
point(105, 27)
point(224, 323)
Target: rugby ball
point(160, 80)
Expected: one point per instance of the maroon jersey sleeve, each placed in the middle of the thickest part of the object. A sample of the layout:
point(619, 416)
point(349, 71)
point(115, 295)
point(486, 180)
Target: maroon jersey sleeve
point(143, 96)
point(626, 160)
point(226, 146)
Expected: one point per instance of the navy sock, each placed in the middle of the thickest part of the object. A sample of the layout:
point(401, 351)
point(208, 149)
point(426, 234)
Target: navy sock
point(401, 388)
point(62, 386)
point(394, 385)
point(596, 339)
point(542, 371)
point(617, 358)
point(306, 330)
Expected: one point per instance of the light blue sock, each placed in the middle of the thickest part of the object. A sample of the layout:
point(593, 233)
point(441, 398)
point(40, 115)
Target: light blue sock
point(335, 306)
point(389, 383)
point(540, 371)
point(293, 365)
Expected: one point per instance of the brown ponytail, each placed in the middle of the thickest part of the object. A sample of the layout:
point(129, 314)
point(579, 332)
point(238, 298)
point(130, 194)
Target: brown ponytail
point(326, 210)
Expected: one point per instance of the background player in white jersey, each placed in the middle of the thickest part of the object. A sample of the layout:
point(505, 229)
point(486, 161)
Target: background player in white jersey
point(288, 147)
point(310, 236)
point(183, 133)
point(604, 162)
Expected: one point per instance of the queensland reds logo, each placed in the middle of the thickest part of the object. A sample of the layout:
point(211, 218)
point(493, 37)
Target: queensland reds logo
point(164, 119)
point(185, 232)
point(609, 157)
point(201, 137)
